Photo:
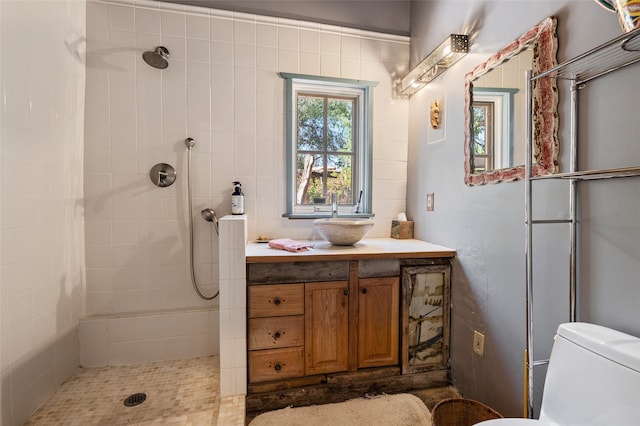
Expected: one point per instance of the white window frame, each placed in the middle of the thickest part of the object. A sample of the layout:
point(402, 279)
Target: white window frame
point(362, 144)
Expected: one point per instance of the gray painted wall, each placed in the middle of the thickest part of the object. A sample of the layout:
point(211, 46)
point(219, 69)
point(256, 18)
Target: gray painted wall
point(387, 16)
point(486, 223)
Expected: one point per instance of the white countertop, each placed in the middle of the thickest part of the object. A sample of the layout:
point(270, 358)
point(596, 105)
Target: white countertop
point(368, 248)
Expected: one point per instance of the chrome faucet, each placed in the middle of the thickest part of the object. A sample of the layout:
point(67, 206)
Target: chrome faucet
point(334, 205)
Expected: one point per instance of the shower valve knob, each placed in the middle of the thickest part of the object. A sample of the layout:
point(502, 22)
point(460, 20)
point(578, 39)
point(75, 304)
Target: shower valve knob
point(162, 175)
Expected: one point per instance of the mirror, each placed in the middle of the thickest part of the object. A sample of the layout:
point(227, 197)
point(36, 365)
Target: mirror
point(495, 101)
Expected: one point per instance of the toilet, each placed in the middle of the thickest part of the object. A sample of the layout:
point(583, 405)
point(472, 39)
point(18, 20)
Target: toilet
point(593, 380)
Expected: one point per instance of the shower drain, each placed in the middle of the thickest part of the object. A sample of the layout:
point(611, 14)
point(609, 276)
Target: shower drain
point(135, 399)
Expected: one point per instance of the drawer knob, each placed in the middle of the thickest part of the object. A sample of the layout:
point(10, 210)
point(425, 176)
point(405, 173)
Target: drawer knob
point(276, 335)
point(346, 292)
point(364, 291)
point(276, 301)
point(278, 367)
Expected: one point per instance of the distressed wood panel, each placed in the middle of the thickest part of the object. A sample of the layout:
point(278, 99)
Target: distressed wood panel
point(426, 261)
point(379, 268)
point(425, 317)
point(296, 272)
point(335, 390)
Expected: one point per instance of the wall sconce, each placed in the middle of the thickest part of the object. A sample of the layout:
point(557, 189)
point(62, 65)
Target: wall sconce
point(436, 62)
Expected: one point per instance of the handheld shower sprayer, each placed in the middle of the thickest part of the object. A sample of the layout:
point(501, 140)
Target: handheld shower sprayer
point(207, 214)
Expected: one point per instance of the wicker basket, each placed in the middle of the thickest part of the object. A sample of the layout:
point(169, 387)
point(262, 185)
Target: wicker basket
point(461, 412)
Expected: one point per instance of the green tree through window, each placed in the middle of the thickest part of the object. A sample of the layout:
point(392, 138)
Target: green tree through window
point(324, 148)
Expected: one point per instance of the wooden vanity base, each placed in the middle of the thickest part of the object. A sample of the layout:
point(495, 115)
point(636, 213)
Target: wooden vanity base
point(331, 326)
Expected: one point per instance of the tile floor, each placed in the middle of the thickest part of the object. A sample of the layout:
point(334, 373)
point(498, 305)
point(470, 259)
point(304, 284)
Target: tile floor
point(181, 392)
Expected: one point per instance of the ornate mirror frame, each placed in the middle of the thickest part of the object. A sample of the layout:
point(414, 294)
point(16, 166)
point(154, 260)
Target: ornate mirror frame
point(544, 110)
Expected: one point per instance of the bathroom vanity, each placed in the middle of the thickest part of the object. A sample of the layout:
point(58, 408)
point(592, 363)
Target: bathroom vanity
point(336, 322)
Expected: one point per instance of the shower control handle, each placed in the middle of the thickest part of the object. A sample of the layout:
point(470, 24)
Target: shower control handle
point(162, 175)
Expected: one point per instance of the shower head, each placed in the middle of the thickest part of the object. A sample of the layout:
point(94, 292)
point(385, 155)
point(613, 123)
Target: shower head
point(209, 215)
point(157, 58)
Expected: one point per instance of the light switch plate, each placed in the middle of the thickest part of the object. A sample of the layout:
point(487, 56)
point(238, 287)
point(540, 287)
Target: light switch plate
point(478, 342)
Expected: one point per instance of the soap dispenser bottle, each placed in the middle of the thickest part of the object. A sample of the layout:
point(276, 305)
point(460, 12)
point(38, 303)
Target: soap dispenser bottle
point(237, 199)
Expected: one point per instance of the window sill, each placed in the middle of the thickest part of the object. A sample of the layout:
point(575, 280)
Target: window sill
point(327, 216)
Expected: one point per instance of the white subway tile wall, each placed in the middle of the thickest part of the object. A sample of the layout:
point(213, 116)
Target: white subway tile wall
point(134, 339)
point(221, 88)
point(42, 81)
point(233, 302)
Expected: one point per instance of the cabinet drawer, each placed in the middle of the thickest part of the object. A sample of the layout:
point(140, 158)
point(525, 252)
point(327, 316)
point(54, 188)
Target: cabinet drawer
point(276, 332)
point(274, 364)
point(275, 300)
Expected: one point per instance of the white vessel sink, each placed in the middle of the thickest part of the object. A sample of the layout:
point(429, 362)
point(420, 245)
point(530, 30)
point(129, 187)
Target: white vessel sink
point(343, 232)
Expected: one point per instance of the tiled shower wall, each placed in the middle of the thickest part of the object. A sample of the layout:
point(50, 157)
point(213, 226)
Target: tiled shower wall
point(222, 89)
point(42, 273)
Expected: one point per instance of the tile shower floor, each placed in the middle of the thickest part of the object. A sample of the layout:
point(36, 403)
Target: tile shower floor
point(182, 392)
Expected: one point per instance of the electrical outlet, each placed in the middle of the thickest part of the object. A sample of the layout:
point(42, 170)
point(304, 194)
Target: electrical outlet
point(478, 342)
point(429, 201)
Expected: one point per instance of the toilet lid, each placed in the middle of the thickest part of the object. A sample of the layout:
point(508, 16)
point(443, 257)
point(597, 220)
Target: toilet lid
point(511, 422)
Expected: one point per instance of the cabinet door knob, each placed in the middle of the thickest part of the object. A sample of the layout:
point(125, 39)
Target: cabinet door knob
point(276, 301)
point(278, 367)
point(276, 335)
point(346, 292)
point(364, 291)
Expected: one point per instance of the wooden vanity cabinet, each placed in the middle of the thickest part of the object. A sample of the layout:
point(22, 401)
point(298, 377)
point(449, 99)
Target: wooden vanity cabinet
point(329, 326)
point(308, 321)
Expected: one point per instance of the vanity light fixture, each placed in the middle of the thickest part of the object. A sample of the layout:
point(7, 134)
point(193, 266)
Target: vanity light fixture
point(448, 53)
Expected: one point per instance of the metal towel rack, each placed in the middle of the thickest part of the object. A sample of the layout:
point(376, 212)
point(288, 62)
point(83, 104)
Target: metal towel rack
point(611, 56)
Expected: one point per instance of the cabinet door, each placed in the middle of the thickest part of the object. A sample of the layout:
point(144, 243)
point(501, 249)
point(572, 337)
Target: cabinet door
point(425, 317)
point(326, 327)
point(378, 321)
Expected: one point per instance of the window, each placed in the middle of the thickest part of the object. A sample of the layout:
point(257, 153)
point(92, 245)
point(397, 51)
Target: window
point(328, 146)
point(483, 136)
point(493, 129)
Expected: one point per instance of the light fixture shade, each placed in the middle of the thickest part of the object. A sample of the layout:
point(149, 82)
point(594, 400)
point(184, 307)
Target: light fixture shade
point(449, 52)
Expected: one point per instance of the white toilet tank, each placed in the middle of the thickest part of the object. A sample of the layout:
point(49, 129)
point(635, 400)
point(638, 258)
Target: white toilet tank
point(593, 379)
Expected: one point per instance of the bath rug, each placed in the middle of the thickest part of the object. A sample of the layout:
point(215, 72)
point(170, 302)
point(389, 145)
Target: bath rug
point(383, 410)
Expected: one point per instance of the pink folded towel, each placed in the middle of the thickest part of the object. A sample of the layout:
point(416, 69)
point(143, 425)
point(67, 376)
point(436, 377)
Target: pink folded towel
point(289, 245)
